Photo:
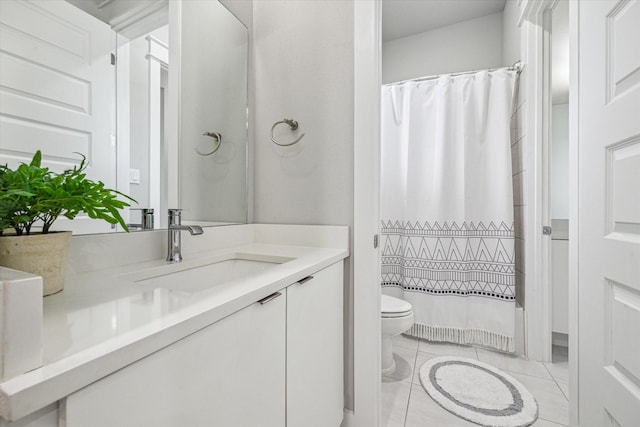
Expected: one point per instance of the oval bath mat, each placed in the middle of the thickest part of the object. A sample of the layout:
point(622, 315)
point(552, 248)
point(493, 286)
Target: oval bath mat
point(478, 392)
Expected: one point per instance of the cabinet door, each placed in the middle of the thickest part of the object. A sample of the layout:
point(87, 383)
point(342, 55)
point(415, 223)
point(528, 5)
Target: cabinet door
point(314, 350)
point(229, 374)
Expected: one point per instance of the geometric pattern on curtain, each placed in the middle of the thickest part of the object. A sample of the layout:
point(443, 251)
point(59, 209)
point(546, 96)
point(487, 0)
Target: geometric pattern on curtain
point(447, 206)
point(466, 259)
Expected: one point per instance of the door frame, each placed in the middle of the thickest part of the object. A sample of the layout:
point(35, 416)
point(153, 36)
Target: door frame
point(366, 261)
point(574, 206)
point(535, 89)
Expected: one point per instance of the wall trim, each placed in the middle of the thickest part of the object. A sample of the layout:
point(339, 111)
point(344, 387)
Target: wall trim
point(158, 51)
point(157, 60)
point(123, 126)
point(140, 20)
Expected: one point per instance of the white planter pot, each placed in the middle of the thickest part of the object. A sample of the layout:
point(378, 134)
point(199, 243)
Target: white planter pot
point(40, 254)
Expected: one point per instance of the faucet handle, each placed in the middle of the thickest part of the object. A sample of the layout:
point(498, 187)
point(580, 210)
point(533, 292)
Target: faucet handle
point(175, 216)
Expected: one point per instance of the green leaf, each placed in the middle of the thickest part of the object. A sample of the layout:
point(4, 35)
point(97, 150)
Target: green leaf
point(37, 159)
point(32, 192)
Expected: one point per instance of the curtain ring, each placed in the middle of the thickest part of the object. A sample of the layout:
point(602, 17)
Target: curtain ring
point(216, 137)
point(293, 125)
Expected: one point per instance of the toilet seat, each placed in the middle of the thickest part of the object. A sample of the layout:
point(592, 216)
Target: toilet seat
point(394, 307)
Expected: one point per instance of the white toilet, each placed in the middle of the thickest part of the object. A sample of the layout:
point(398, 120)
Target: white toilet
point(397, 317)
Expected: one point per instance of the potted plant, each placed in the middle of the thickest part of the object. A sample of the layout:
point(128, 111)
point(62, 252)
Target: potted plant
point(34, 195)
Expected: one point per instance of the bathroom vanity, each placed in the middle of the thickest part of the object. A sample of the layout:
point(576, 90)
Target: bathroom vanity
point(140, 343)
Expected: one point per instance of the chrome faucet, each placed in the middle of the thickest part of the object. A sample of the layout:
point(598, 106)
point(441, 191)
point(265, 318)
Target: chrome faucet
point(146, 219)
point(174, 253)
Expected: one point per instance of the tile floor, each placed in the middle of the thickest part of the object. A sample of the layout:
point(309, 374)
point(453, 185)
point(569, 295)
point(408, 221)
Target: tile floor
point(406, 404)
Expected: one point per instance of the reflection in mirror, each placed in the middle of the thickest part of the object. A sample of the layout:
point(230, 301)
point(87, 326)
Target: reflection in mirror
point(213, 187)
point(57, 93)
point(142, 92)
point(61, 93)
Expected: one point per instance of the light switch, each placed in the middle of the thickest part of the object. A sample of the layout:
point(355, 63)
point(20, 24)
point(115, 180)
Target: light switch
point(134, 176)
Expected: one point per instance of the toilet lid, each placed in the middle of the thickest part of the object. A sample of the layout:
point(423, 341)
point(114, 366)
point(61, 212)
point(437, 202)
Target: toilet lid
point(394, 307)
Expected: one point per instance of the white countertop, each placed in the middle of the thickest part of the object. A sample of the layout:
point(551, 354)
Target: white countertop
point(102, 322)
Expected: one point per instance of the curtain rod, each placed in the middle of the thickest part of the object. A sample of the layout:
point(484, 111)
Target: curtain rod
point(517, 67)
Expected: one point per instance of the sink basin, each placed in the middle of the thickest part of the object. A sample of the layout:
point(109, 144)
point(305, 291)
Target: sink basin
point(198, 275)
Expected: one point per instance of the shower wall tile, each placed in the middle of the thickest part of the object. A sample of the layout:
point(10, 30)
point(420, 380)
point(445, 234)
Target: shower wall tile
point(520, 288)
point(518, 141)
point(516, 135)
point(520, 255)
point(516, 156)
point(518, 189)
point(518, 219)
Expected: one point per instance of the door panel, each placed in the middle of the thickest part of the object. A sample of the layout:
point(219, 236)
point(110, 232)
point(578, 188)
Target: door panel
point(57, 91)
point(609, 213)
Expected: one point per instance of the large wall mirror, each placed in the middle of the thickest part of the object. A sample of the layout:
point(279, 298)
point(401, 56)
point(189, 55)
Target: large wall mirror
point(152, 92)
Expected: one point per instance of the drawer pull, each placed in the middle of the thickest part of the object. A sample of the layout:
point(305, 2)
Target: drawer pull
point(268, 298)
point(305, 280)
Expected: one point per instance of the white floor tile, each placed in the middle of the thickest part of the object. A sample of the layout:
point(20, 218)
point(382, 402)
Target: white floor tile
point(403, 341)
point(552, 404)
point(395, 398)
point(546, 423)
point(565, 389)
point(514, 364)
point(424, 411)
point(405, 361)
point(446, 349)
point(559, 371)
point(405, 403)
point(420, 360)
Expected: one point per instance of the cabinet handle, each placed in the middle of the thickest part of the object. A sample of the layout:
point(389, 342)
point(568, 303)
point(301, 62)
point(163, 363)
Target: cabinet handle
point(268, 298)
point(305, 280)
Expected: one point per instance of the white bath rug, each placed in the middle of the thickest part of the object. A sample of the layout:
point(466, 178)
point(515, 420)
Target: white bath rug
point(478, 392)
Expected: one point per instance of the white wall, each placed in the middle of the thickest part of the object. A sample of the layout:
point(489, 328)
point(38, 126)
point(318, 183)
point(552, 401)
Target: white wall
point(510, 33)
point(242, 9)
point(469, 45)
point(303, 69)
point(560, 161)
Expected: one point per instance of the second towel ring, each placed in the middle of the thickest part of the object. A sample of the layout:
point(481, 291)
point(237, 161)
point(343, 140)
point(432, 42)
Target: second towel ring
point(293, 125)
point(216, 137)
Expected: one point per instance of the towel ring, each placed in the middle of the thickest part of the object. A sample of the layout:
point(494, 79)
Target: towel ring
point(293, 125)
point(216, 137)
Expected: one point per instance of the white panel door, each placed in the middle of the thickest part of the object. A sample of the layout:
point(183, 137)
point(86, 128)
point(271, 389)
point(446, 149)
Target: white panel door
point(609, 213)
point(57, 91)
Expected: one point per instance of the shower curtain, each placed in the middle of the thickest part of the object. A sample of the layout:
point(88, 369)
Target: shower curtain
point(447, 206)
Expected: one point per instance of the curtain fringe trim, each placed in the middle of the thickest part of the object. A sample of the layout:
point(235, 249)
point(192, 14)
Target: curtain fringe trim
point(463, 336)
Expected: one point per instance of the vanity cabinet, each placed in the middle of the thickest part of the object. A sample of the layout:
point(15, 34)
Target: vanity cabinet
point(231, 373)
point(277, 363)
point(315, 381)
